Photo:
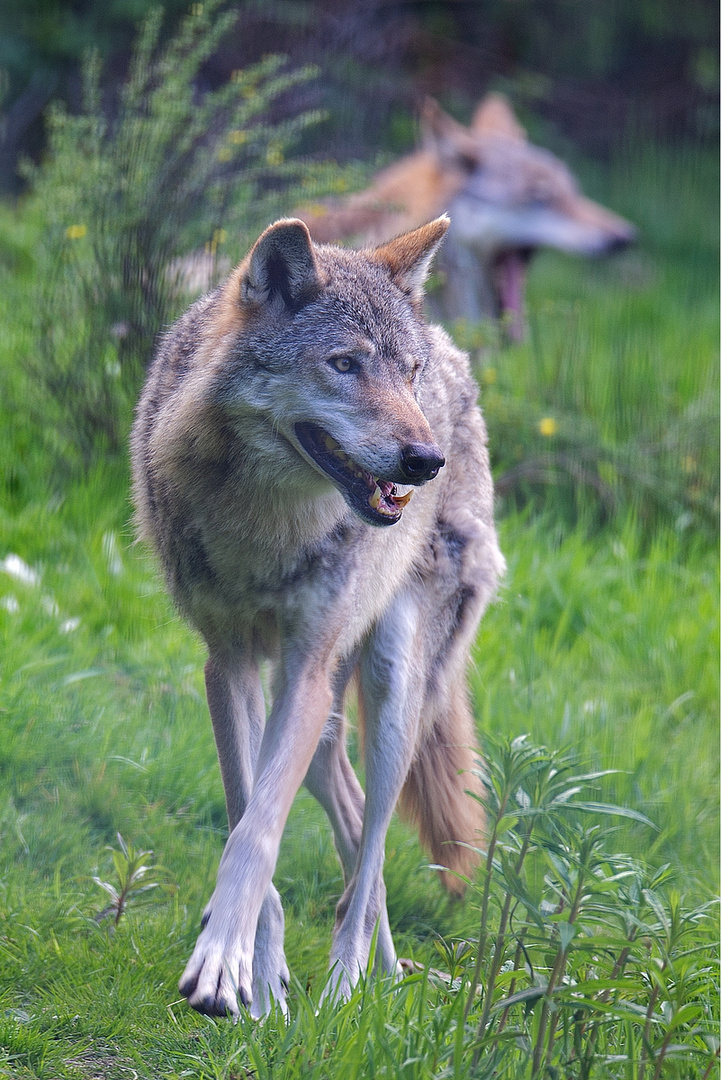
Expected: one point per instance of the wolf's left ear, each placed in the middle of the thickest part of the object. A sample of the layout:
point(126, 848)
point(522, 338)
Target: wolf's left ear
point(282, 267)
point(409, 256)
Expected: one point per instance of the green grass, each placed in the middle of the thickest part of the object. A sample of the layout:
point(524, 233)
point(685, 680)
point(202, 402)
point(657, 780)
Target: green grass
point(604, 641)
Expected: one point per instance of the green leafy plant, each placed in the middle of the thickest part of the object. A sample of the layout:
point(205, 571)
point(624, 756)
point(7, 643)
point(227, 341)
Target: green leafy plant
point(584, 962)
point(136, 879)
point(135, 200)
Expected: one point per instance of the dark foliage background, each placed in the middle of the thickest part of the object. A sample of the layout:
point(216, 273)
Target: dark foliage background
point(591, 68)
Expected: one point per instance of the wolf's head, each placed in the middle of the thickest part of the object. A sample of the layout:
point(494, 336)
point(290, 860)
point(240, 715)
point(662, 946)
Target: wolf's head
point(332, 354)
point(515, 198)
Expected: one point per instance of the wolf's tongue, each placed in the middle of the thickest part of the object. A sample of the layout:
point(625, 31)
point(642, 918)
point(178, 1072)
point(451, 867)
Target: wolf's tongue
point(511, 281)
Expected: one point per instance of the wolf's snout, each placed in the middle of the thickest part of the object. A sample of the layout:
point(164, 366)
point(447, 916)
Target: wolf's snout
point(622, 240)
point(420, 462)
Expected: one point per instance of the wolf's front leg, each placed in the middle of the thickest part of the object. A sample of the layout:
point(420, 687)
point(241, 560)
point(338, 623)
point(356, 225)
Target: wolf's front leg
point(235, 699)
point(391, 694)
point(241, 913)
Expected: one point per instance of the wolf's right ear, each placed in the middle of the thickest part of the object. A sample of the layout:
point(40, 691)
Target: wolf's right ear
point(281, 267)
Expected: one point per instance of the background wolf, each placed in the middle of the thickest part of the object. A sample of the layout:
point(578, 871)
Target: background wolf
point(506, 198)
point(279, 417)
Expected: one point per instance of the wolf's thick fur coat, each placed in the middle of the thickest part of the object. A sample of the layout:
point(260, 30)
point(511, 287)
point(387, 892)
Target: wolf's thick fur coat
point(279, 415)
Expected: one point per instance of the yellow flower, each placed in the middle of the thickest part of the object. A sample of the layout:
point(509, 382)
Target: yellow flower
point(274, 156)
point(547, 426)
point(238, 137)
point(489, 376)
point(224, 154)
point(76, 232)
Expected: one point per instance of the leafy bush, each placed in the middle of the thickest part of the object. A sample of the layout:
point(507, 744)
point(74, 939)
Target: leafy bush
point(127, 194)
point(586, 961)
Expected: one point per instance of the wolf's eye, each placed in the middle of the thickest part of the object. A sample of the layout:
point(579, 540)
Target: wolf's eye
point(342, 363)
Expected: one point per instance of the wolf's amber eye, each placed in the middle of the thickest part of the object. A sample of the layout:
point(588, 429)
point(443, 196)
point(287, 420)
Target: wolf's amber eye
point(342, 363)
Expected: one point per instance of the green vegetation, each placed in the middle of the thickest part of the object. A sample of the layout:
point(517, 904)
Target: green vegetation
point(134, 209)
point(587, 945)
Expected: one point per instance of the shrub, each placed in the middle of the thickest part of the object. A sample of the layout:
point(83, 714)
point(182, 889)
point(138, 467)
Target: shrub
point(127, 194)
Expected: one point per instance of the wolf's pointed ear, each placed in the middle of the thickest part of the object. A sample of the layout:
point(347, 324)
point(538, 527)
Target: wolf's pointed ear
point(409, 256)
point(495, 116)
point(281, 267)
point(450, 141)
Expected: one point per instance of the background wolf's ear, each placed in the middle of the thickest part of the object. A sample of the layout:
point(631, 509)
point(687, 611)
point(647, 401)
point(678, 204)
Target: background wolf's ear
point(281, 267)
point(409, 256)
point(448, 140)
point(495, 116)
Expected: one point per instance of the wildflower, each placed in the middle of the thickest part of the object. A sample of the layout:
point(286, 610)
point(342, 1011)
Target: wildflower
point(274, 156)
point(238, 137)
point(547, 426)
point(489, 376)
point(76, 232)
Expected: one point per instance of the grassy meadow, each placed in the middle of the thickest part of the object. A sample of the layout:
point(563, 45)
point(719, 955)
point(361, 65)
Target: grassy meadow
point(588, 944)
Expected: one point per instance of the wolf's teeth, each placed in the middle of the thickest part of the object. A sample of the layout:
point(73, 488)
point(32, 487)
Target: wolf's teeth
point(402, 500)
point(375, 498)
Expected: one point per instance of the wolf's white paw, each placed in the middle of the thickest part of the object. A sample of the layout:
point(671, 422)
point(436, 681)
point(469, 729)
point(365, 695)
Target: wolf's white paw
point(270, 984)
point(217, 978)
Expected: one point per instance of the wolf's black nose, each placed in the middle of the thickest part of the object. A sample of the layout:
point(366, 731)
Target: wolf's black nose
point(420, 462)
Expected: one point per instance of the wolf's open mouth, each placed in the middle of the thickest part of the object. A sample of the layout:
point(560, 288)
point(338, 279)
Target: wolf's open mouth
point(510, 282)
point(376, 501)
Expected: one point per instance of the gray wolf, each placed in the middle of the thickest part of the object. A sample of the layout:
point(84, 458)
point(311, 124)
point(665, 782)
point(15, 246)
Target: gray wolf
point(311, 467)
point(506, 198)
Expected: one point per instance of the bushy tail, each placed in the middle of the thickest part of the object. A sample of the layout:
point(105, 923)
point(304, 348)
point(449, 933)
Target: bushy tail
point(435, 797)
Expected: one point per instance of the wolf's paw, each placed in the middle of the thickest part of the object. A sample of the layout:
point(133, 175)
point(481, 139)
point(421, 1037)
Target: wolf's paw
point(270, 971)
point(217, 978)
point(339, 984)
point(270, 986)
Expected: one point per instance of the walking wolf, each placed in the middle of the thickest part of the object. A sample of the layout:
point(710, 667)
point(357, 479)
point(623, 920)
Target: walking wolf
point(310, 465)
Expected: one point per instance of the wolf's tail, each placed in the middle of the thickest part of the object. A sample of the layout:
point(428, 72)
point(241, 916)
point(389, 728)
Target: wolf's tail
point(435, 797)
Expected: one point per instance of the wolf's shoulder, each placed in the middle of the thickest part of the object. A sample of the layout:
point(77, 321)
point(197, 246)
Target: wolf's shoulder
point(176, 354)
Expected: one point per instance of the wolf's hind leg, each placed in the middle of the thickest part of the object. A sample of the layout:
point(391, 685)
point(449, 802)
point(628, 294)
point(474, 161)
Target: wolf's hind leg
point(235, 699)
